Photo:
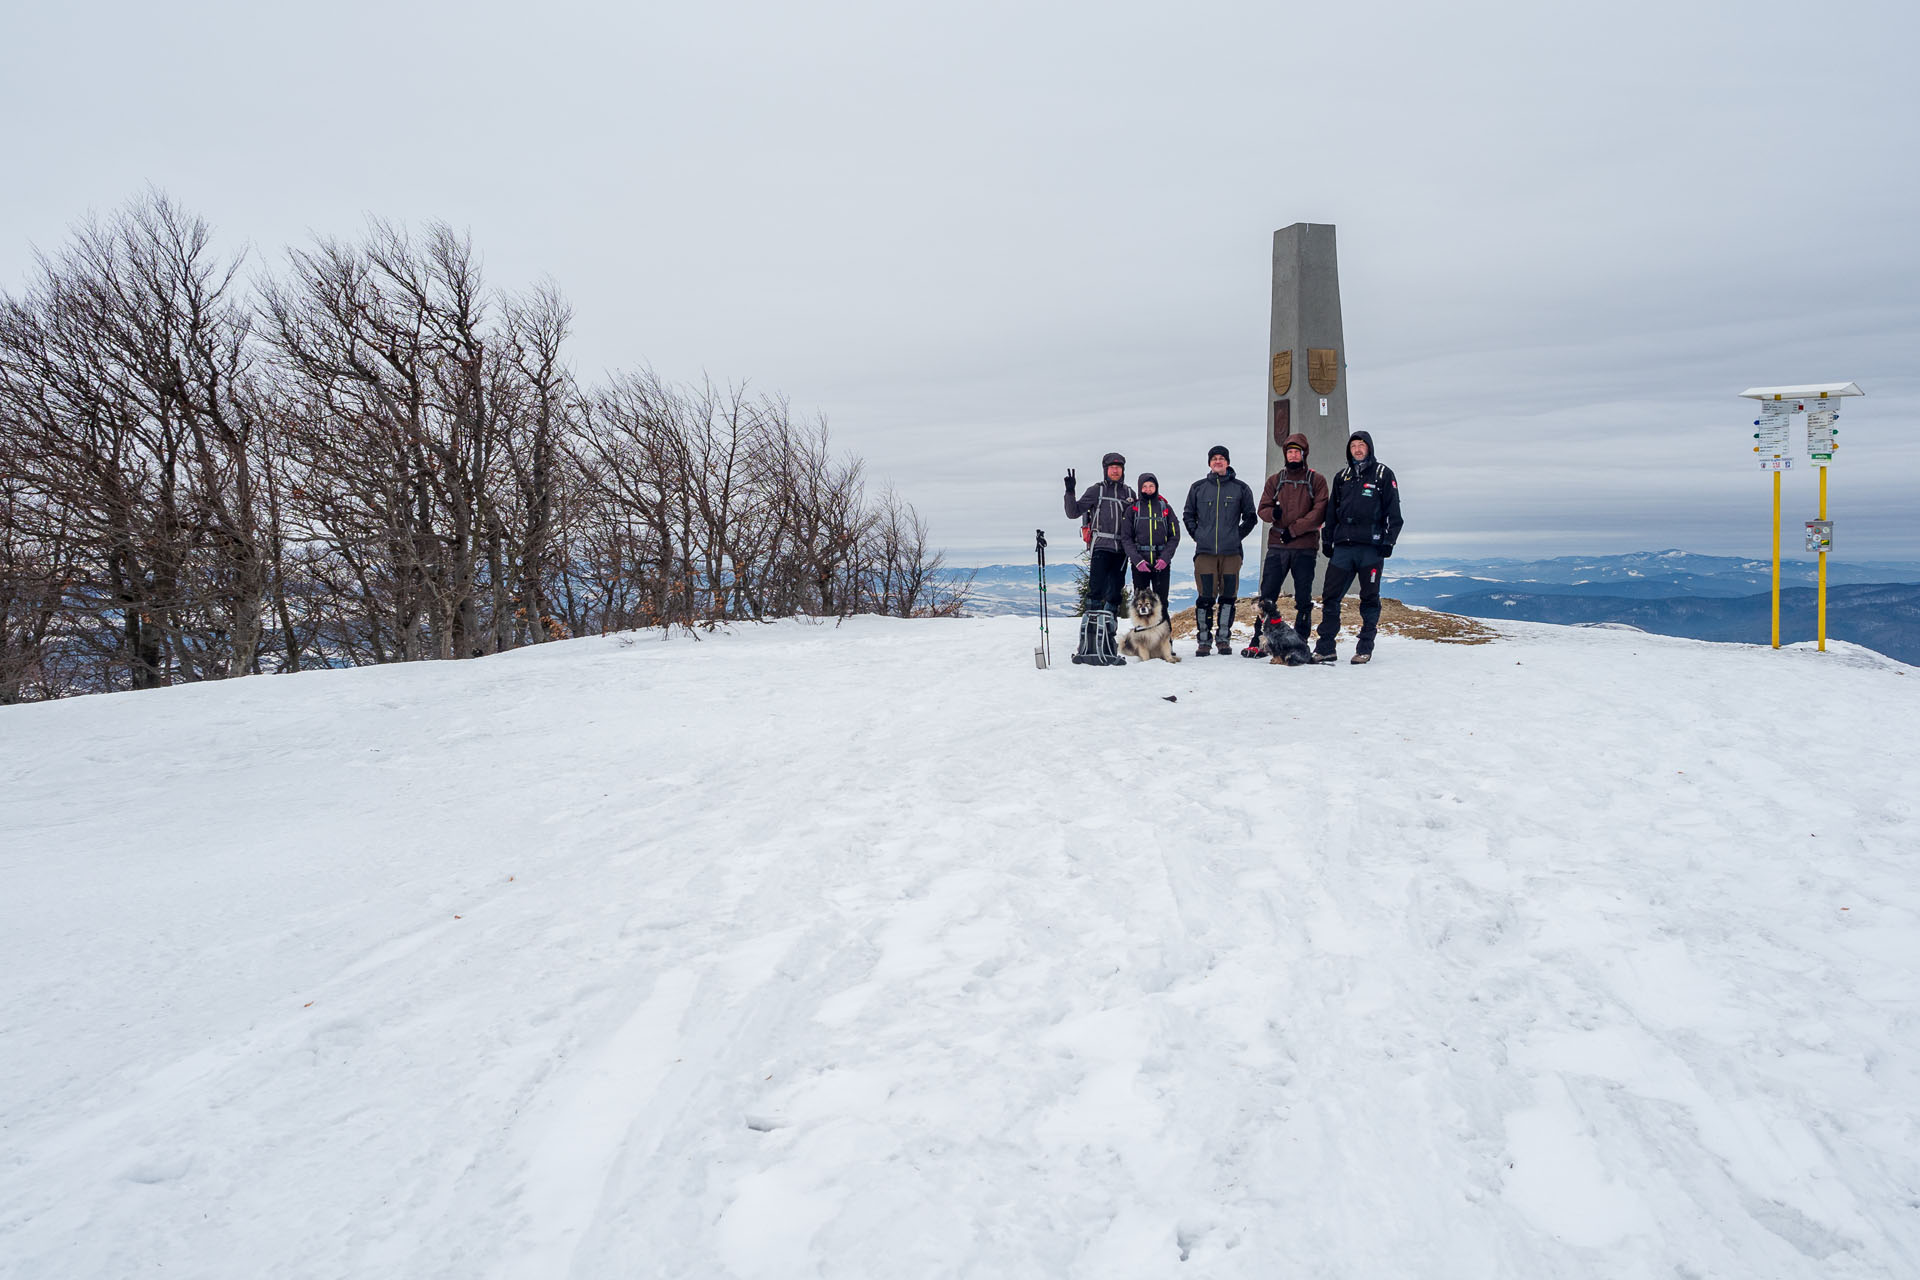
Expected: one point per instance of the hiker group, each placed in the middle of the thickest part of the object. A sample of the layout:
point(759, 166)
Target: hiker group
point(1354, 522)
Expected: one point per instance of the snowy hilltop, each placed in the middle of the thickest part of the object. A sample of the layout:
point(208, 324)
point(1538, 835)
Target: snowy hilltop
point(870, 950)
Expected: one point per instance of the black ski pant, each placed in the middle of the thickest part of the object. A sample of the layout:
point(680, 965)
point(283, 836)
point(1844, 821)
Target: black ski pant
point(1106, 575)
point(1154, 580)
point(1343, 566)
point(1281, 564)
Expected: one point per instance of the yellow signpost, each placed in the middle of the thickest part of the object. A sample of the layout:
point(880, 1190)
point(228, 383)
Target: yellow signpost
point(1823, 563)
point(1776, 559)
point(1778, 405)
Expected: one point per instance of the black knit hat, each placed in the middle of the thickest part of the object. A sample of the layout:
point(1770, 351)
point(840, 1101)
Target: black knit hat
point(1219, 450)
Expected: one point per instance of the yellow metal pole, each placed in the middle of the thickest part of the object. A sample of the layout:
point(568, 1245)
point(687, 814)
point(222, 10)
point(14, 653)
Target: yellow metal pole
point(1776, 559)
point(1823, 565)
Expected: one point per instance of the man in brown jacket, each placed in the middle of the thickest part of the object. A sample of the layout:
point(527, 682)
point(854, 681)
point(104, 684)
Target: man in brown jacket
point(1294, 504)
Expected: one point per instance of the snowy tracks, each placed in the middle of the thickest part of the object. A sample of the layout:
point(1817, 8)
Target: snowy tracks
point(872, 951)
point(586, 1124)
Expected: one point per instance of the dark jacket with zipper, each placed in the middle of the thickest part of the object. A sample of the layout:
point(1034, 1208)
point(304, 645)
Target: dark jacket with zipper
point(1294, 504)
point(1150, 532)
point(1363, 510)
point(1105, 506)
point(1220, 513)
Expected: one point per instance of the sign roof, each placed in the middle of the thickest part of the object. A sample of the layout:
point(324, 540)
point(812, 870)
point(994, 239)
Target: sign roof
point(1807, 391)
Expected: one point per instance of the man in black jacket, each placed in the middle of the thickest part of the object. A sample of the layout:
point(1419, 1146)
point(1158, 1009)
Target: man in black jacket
point(1363, 523)
point(1219, 514)
point(1106, 506)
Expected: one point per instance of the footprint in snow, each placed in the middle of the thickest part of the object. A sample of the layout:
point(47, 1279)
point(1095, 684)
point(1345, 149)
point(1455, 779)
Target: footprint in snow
point(154, 1167)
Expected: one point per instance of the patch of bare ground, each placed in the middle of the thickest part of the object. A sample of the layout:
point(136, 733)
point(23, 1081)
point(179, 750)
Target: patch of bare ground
point(1396, 619)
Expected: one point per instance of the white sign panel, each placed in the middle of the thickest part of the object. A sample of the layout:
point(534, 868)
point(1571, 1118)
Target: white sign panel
point(1323, 406)
point(1770, 435)
point(1820, 441)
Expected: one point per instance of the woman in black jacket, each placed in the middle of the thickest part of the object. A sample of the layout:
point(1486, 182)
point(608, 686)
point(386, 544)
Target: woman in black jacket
point(1149, 534)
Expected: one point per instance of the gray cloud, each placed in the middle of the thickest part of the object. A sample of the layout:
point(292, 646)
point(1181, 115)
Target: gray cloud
point(991, 241)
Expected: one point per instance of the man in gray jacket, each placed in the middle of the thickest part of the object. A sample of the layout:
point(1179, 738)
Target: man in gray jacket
point(1220, 513)
point(1105, 509)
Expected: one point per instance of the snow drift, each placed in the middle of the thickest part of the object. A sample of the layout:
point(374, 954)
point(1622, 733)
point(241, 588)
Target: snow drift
point(871, 951)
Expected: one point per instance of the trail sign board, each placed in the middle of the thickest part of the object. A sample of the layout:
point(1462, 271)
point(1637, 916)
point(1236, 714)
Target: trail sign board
point(1820, 430)
point(1770, 438)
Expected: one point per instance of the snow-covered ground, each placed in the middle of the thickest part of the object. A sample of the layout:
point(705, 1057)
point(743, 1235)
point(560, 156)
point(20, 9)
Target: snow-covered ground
point(873, 951)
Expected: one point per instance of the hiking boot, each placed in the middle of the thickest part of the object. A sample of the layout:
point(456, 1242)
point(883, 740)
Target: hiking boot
point(1360, 659)
point(1324, 658)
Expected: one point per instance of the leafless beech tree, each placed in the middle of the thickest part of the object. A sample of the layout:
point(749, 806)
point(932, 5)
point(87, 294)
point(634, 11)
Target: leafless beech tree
point(545, 414)
point(35, 566)
point(710, 505)
point(904, 571)
point(125, 388)
point(376, 457)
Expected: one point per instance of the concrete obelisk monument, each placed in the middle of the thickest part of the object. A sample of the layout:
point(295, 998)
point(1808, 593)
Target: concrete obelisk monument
point(1307, 383)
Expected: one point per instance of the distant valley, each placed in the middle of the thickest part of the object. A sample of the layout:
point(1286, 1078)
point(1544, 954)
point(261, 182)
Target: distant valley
point(1672, 592)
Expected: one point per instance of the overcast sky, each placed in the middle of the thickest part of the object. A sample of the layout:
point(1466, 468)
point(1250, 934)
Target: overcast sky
point(990, 241)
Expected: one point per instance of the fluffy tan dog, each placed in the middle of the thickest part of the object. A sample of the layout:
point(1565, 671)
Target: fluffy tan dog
point(1152, 633)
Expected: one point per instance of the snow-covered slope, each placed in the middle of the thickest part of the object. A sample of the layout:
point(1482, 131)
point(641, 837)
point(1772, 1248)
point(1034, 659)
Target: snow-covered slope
point(872, 951)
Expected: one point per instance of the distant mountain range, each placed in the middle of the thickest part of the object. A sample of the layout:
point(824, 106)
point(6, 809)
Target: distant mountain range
point(1015, 588)
point(1882, 616)
point(1646, 573)
point(1675, 593)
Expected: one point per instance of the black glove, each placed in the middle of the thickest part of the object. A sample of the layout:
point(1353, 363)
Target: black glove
point(1386, 550)
point(1069, 479)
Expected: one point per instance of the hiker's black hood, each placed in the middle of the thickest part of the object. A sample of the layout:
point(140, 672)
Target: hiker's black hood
point(1373, 455)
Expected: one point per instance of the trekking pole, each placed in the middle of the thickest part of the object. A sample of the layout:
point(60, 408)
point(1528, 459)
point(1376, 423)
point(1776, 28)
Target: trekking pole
point(1043, 655)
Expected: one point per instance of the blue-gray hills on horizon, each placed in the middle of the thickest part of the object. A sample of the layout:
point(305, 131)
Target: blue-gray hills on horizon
point(1875, 603)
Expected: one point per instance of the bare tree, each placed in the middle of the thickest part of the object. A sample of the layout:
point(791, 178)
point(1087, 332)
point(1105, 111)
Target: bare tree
point(35, 566)
point(125, 373)
point(377, 458)
point(398, 434)
point(825, 518)
point(544, 412)
point(905, 574)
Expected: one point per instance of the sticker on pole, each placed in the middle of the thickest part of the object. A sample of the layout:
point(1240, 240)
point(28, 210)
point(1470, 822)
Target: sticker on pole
point(1820, 431)
point(1820, 536)
point(1770, 437)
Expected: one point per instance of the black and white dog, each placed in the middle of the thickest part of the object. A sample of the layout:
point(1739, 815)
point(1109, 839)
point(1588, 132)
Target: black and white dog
point(1283, 644)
